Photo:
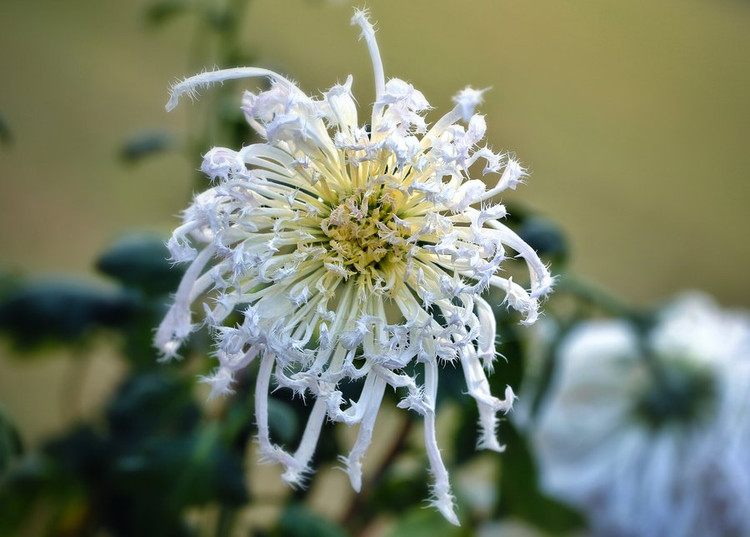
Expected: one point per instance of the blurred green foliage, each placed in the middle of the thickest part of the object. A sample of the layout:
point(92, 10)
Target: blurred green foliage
point(156, 453)
point(158, 13)
point(10, 442)
point(36, 313)
point(140, 262)
point(421, 522)
point(298, 521)
point(135, 474)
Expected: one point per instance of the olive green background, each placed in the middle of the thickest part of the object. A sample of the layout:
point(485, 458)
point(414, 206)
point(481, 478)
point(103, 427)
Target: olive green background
point(633, 117)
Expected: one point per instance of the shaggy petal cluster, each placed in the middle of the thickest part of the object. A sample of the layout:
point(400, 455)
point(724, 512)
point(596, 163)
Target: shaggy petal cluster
point(639, 467)
point(353, 247)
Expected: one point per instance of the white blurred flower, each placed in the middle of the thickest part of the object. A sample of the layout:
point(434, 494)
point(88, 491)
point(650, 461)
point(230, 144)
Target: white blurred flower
point(642, 463)
point(352, 251)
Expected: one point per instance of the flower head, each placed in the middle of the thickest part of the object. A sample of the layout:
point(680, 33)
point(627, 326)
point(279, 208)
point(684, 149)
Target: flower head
point(642, 460)
point(353, 247)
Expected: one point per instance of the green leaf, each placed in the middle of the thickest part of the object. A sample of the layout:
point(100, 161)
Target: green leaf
point(61, 311)
point(520, 496)
point(298, 521)
point(452, 383)
point(547, 368)
point(517, 214)
point(466, 431)
point(186, 470)
point(34, 479)
point(282, 420)
point(238, 423)
point(9, 281)
point(140, 261)
point(148, 403)
point(510, 367)
point(399, 490)
point(145, 144)
point(547, 239)
point(220, 18)
point(163, 11)
point(81, 453)
point(10, 442)
point(426, 522)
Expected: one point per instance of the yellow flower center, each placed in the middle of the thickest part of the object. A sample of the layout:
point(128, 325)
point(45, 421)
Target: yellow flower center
point(364, 230)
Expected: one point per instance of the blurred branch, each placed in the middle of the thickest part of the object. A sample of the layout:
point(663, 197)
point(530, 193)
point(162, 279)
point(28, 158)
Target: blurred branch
point(225, 521)
point(6, 136)
point(359, 501)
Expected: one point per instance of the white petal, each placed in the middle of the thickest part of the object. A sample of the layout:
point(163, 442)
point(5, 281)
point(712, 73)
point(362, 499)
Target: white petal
point(442, 498)
point(364, 436)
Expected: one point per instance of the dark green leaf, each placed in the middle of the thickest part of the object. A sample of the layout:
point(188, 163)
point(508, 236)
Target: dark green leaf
point(139, 347)
point(282, 420)
point(298, 521)
point(82, 453)
point(144, 145)
point(140, 261)
point(239, 421)
point(61, 311)
point(399, 490)
point(220, 18)
point(452, 383)
point(211, 472)
point(163, 11)
point(34, 479)
point(187, 470)
point(511, 364)
point(520, 496)
point(426, 522)
point(546, 238)
point(151, 402)
point(517, 214)
point(545, 377)
point(464, 444)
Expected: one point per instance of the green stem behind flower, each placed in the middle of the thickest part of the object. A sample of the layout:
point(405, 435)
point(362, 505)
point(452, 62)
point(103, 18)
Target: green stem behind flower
point(641, 320)
point(597, 296)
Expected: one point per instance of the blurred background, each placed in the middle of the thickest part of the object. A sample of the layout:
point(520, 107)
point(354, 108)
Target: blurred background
point(633, 118)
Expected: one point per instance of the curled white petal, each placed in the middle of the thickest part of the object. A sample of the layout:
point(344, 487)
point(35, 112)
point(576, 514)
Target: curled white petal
point(193, 84)
point(467, 100)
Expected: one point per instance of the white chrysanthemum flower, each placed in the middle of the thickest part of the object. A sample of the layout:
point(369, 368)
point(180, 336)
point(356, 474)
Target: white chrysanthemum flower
point(352, 251)
point(643, 461)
